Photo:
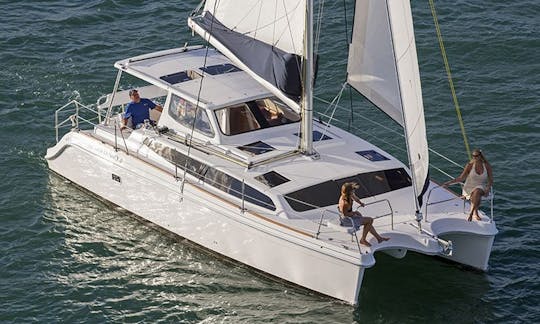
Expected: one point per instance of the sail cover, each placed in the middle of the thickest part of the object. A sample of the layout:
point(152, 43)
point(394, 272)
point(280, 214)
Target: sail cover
point(383, 67)
point(264, 38)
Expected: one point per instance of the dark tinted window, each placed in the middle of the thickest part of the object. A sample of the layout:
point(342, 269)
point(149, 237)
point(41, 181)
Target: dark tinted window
point(372, 155)
point(220, 69)
point(272, 179)
point(194, 167)
point(176, 77)
point(397, 178)
point(317, 136)
point(233, 186)
point(320, 195)
point(257, 148)
point(213, 177)
point(327, 193)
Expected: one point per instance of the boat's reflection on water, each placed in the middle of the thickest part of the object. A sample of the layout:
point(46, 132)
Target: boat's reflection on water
point(112, 260)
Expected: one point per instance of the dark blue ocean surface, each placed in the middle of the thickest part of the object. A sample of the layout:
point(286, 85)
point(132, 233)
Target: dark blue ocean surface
point(66, 256)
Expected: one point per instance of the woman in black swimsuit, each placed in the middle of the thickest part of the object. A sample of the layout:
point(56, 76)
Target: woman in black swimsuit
point(354, 218)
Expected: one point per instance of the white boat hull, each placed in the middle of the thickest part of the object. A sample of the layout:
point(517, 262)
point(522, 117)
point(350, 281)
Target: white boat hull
point(469, 249)
point(202, 218)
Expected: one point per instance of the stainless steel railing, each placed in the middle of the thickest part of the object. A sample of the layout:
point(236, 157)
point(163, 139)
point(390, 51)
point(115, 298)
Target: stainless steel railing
point(489, 197)
point(75, 109)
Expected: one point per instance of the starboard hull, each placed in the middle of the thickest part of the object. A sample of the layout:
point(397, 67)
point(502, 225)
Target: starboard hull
point(154, 195)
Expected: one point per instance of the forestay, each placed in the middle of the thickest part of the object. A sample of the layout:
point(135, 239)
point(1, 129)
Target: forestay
point(383, 66)
point(263, 38)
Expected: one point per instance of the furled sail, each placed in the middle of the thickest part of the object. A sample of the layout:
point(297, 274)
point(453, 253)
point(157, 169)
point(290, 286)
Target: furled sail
point(263, 38)
point(383, 67)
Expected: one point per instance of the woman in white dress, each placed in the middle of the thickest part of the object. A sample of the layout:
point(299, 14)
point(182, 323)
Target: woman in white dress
point(478, 178)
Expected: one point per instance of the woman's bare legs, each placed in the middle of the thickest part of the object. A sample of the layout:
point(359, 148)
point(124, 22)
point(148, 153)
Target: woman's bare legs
point(368, 227)
point(476, 198)
point(367, 224)
point(365, 231)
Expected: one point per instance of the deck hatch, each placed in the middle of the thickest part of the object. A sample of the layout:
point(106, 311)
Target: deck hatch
point(176, 77)
point(272, 179)
point(182, 76)
point(317, 136)
point(256, 148)
point(372, 155)
point(220, 69)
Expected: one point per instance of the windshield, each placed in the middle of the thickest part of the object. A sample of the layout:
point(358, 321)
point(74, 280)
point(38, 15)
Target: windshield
point(190, 116)
point(327, 193)
point(253, 115)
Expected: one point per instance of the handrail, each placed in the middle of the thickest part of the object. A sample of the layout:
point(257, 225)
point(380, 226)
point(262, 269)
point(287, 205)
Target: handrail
point(353, 232)
point(73, 118)
point(346, 109)
point(490, 197)
point(389, 206)
point(332, 119)
point(366, 204)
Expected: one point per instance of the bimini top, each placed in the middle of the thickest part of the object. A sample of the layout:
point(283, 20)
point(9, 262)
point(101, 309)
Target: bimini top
point(183, 69)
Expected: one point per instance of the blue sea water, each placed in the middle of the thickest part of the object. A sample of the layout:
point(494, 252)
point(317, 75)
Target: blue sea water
point(66, 256)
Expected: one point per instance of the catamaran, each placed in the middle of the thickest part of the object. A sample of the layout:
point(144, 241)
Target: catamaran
point(237, 164)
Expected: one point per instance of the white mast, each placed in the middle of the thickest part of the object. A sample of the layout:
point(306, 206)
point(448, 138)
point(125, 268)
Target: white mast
point(306, 139)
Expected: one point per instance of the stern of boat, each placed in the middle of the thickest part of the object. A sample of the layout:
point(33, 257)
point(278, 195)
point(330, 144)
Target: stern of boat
point(471, 241)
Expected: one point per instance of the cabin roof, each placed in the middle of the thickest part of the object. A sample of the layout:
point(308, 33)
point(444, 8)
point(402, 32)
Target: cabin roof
point(183, 69)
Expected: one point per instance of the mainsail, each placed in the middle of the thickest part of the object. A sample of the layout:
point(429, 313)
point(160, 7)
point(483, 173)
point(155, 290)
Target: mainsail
point(263, 38)
point(383, 67)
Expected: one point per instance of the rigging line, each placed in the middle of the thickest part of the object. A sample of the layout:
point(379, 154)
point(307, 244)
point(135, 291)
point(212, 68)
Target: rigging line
point(274, 42)
point(380, 125)
point(319, 26)
point(257, 24)
point(365, 118)
point(198, 8)
point(346, 24)
point(378, 138)
point(335, 102)
point(245, 16)
point(330, 103)
point(449, 75)
point(351, 117)
point(198, 101)
point(348, 40)
point(399, 148)
point(272, 23)
point(289, 29)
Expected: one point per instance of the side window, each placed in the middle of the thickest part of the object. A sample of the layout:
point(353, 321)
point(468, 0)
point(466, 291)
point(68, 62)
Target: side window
point(233, 186)
point(187, 114)
point(194, 167)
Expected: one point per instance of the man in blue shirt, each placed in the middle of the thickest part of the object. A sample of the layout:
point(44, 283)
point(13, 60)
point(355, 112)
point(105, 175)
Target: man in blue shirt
point(139, 109)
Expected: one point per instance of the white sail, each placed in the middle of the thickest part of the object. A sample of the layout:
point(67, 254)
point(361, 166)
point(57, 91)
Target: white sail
point(280, 23)
point(383, 66)
point(263, 38)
